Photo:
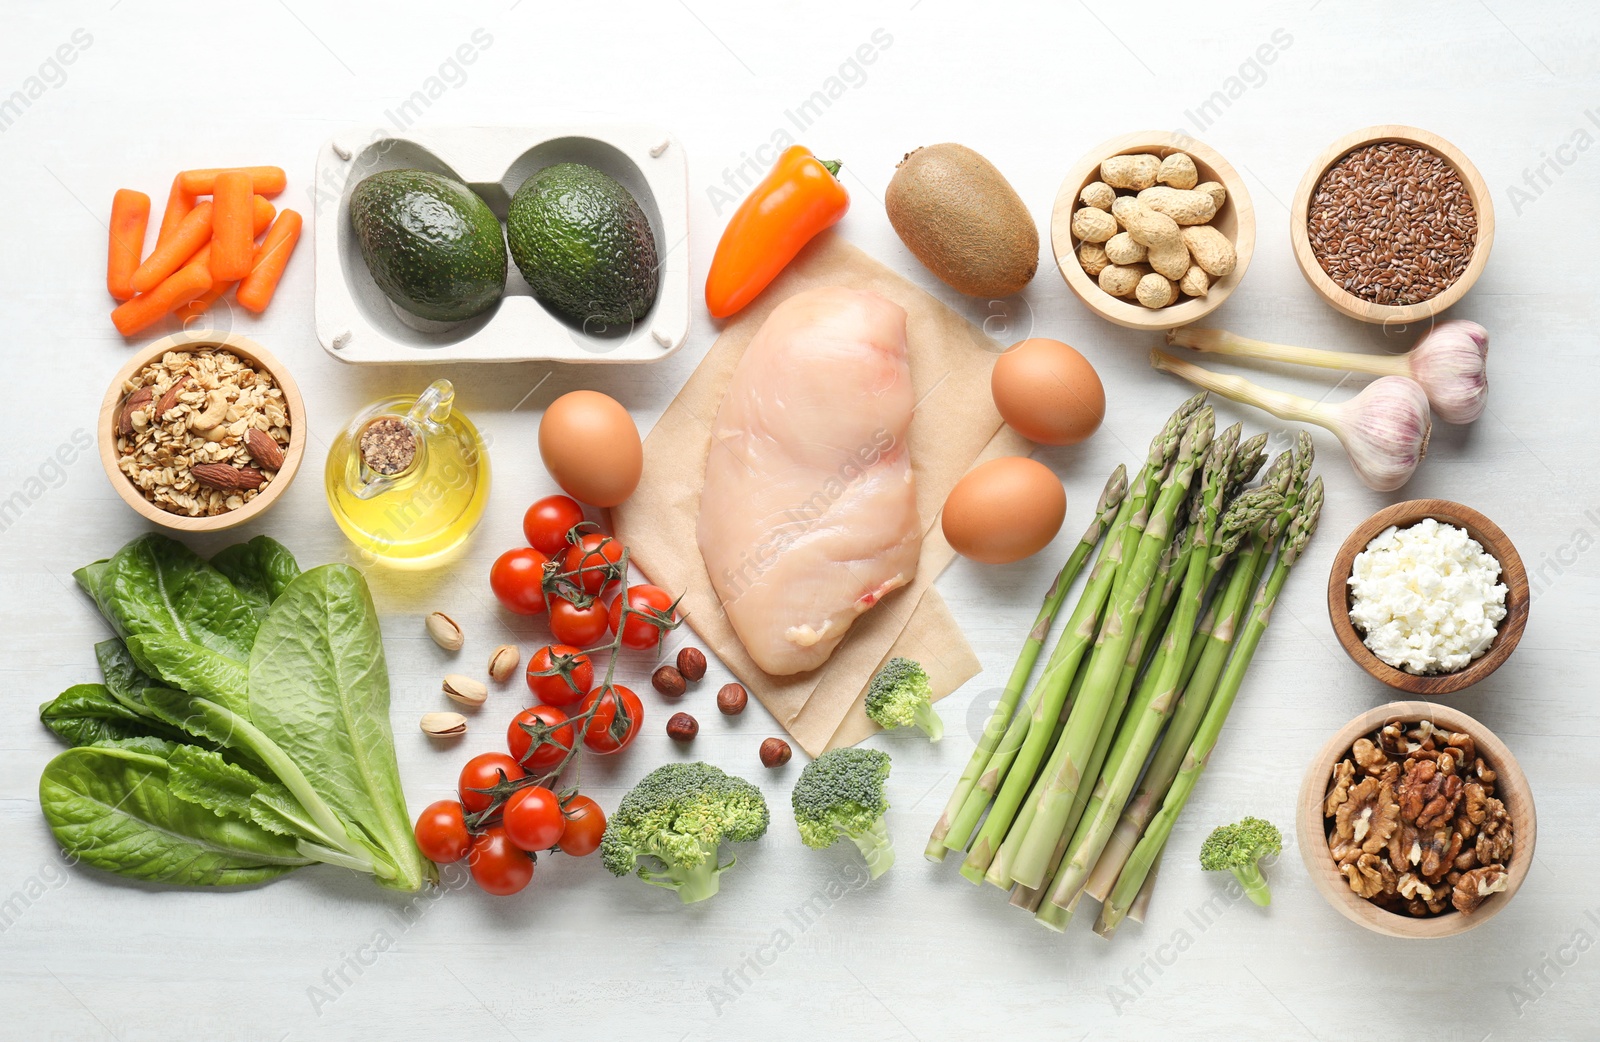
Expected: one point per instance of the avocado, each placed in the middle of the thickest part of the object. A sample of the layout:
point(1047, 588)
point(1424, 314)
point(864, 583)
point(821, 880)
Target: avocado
point(432, 245)
point(584, 246)
point(963, 220)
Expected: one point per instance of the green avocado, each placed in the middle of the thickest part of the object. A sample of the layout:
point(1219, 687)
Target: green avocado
point(432, 244)
point(585, 247)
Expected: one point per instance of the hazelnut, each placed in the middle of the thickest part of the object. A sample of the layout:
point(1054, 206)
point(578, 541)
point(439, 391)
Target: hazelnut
point(692, 663)
point(732, 699)
point(775, 752)
point(668, 681)
point(682, 727)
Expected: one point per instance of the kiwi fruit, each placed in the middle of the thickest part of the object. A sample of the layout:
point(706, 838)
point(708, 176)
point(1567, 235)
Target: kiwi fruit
point(963, 220)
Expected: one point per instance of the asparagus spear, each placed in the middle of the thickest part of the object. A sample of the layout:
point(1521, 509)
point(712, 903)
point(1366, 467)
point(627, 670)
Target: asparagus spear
point(1064, 774)
point(1205, 739)
point(1110, 498)
point(1141, 904)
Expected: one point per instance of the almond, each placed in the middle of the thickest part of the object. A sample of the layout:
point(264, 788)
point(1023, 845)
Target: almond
point(170, 398)
point(263, 449)
point(130, 405)
point(225, 478)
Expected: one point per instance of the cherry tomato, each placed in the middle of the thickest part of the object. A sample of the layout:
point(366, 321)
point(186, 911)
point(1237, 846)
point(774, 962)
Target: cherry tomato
point(533, 819)
point(558, 738)
point(498, 865)
point(586, 823)
point(517, 578)
point(548, 521)
point(483, 772)
point(442, 832)
point(560, 690)
point(581, 627)
point(615, 722)
point(594, 554)
point(640, 631)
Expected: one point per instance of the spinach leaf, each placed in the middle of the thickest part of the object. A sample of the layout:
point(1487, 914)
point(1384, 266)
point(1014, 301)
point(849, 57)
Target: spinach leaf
point(114, 809)
point(156, 585)
point(193, 668)
point(260, 569)
point(86, 713)
point(319, 690)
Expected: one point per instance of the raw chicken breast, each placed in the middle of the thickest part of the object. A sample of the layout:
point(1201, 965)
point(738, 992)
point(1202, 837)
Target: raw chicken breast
point(809, 512)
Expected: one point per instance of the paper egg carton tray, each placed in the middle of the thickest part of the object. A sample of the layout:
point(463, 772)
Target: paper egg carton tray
point(357, 323)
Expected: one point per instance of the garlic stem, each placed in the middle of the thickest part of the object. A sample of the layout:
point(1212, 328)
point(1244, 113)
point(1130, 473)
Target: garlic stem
point(1281, 404)
point(1222, 342)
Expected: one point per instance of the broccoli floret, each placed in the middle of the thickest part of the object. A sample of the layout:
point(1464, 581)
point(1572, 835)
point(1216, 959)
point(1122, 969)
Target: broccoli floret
point(840, 793)
point(672, 823)
point(900, 694)
point(1237, 848)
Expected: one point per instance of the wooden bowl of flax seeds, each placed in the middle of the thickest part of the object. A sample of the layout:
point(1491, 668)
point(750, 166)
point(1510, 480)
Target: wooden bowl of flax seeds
point(1392, 225)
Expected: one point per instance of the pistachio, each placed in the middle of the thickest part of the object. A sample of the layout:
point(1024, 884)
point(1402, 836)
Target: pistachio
point(444, 631)
point(503, 663)
point(444, 725)
point(465, 690)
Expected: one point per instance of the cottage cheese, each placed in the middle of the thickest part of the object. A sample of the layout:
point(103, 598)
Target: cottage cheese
point(1428, 598)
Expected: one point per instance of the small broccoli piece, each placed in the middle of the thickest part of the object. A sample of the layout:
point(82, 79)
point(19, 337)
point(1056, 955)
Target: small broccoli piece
point(1237, 848)
point(672, 823)
point(840, 793)
point(900, 694)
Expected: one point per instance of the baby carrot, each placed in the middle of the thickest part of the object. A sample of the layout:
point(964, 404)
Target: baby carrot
point(201, 304)
point(191, 234)
point(231, 247)
point(256, 291)
point(179, 203)
point(130, 213)
point(187, 283)
point(264, 180)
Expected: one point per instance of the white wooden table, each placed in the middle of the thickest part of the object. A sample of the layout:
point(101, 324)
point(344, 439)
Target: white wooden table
point(153, 87)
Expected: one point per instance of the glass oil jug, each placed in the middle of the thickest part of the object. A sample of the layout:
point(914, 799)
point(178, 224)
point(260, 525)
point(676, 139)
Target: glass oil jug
point(408, 479)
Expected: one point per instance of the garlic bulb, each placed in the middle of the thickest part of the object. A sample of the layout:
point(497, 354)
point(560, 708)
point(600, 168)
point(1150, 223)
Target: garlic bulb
point(1450, 362)
point(1384, 429)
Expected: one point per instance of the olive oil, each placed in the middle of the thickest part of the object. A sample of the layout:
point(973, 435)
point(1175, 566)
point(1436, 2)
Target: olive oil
point(408, 479)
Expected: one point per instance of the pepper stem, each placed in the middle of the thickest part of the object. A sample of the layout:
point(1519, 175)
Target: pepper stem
point(831, 166)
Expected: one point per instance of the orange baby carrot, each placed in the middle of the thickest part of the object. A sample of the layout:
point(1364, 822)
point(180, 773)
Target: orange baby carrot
point(130, 213)
point(264, 180)
point(231, 247)
point(191, 234)
point(256, 291)
point(201, 304)
point(187, 283)
point(179, 203)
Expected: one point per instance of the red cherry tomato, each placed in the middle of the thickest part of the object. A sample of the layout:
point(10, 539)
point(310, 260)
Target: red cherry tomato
point(615, 722)
point(548, 521)
point(441, 832)
point(517, 579)
point(558, 690)
point(581, 627)
point(586, 823)
point(498, 865)
point(596, 555)
point(533, 819)
point(484, 771)
point(558, 738)
point(640, 631)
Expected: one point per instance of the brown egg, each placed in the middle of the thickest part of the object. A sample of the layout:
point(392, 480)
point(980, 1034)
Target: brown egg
point(1048, 392)
point(1004, 510)
point(591, 447)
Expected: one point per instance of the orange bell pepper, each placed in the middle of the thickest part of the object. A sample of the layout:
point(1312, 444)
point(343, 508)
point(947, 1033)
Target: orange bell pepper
point(798, 198)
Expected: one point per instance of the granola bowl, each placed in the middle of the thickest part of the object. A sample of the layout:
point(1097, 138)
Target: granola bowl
point(1492, 813)
point(202, 431)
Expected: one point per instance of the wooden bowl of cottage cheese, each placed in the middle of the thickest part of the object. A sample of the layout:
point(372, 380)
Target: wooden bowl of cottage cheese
point(1428, 596)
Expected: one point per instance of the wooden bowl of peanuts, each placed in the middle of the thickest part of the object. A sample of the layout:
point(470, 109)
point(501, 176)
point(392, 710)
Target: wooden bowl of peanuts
point(1179, 242)
point(202, 431)
point(1391, 225)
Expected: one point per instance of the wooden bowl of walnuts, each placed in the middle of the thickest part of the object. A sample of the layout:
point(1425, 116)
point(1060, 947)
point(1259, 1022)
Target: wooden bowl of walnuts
point(202, 431)
point(1160, 269)
point(1414, 820)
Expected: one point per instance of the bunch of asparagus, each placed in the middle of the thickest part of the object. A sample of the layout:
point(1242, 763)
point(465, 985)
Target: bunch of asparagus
point(1083, 780)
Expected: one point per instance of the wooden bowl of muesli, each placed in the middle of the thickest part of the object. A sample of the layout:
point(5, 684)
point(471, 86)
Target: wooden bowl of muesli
point(202, 431)
point(1488, 763)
